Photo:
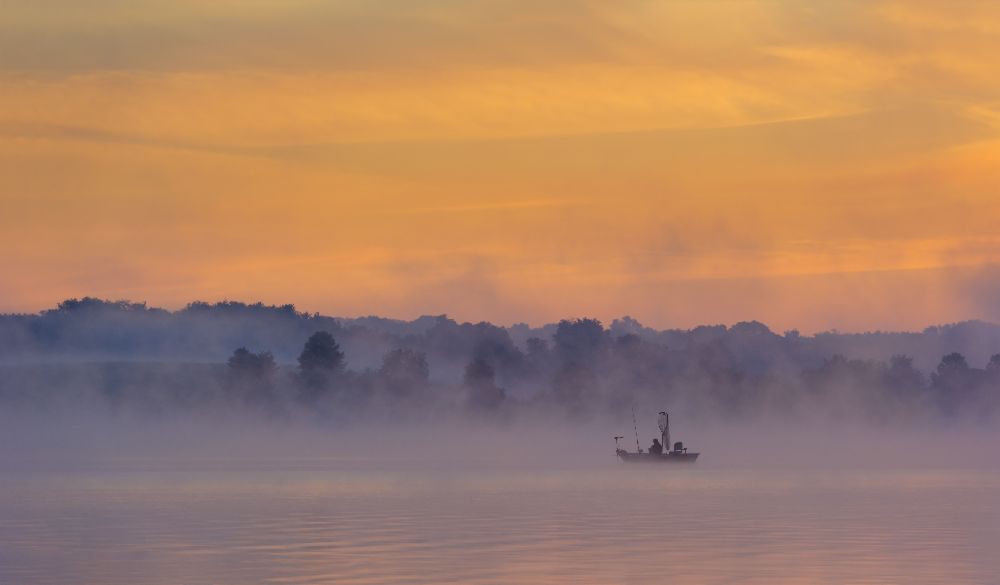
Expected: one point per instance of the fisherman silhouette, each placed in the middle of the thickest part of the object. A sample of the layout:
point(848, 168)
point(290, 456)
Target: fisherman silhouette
point(656, 448)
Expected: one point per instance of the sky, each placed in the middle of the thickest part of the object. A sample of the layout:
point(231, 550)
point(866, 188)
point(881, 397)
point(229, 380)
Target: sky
point(811, 165)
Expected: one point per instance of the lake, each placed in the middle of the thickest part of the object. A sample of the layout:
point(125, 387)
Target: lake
point(362, 521)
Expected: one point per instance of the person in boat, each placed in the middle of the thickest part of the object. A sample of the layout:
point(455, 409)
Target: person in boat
point(656, 448)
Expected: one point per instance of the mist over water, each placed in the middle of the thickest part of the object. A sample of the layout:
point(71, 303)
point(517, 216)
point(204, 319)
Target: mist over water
point(437, 452)
point(113, 501)
point(515, 505)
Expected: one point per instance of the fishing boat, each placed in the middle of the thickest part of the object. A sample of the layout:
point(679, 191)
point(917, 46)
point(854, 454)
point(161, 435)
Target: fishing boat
point(677, 454)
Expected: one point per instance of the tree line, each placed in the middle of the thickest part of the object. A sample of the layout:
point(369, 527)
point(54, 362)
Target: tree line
point(288, 363)
point(585, 371)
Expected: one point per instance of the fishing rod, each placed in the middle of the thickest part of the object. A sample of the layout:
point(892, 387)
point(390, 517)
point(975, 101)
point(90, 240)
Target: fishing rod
point(635, 426)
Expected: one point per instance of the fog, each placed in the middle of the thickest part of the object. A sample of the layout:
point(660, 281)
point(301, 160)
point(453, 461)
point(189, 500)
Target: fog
point(95, 382)
point(87, 442)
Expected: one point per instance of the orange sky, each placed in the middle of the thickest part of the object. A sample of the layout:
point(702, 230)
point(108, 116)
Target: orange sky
point(808, 164)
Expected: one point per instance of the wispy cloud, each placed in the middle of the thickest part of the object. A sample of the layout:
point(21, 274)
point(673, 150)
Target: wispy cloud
point(516, 205)
point(608, 153)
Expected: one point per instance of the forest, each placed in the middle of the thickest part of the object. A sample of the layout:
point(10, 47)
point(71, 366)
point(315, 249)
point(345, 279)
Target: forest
point(233, 359)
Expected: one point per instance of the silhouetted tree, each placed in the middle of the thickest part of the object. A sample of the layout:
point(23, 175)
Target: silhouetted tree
point(952, 365)
point(97, 305)
point(245, 362)
point(320, 362)
point(628, 345)
point(405, 371)
point(717, 363)
point(627, 326)
point(538, 349)
point(638, 366)
point(954, 380)
point(902, 378)
point(842, 376)
point(993, 366)
point(454, 341)
point(537, 359)
point(250, 376)
point(750, 329)
point(321, 352)
point(715, 368)
point(480, 383)
point(581, 341)
point(571, 387)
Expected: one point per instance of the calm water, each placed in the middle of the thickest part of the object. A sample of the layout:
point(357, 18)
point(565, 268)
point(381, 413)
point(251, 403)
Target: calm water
point(328, 522)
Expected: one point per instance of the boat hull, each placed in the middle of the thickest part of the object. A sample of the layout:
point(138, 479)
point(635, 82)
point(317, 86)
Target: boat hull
point(655, 458)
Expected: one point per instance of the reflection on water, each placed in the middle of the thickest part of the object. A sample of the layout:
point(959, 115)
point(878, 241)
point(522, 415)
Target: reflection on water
point(348, 523)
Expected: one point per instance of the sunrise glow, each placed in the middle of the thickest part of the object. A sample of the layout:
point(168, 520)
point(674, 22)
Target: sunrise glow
point(811, 165)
